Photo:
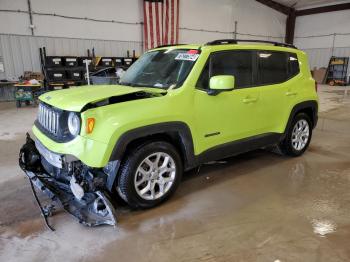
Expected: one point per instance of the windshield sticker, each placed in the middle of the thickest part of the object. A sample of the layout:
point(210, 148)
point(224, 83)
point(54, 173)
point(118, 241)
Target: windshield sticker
point(186, 57)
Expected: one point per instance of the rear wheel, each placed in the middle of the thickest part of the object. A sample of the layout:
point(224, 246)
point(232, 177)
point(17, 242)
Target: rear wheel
point(150, 174)
point(298, 136)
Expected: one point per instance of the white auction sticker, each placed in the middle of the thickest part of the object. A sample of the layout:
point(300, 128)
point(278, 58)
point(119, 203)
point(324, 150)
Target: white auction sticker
point(187, 57)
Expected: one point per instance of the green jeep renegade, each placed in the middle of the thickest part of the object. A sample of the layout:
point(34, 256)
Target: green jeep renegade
point(175, 108)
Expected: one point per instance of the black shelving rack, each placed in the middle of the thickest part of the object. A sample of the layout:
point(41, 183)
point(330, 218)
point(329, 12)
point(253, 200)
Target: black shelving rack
point(66, 71)
point(62, 71)
point(336, 73)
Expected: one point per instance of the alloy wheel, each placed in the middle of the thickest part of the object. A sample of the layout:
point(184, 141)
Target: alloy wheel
point(300, 134)
point(155, 176)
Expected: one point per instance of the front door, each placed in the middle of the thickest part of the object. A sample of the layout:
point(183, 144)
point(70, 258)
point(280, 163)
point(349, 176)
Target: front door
point(230, 115)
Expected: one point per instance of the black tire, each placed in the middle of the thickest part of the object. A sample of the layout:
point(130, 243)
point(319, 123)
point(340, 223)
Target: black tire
point(27, 103)
point(286, 147)
point(126, 179)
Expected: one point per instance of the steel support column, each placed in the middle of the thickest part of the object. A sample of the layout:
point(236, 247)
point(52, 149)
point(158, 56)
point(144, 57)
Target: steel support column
point(290, 27)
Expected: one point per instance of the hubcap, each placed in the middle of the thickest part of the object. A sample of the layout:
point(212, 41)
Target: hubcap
point(155, 176)
point(300, 134)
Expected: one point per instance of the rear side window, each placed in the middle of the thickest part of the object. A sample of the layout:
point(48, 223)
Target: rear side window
point(276, 67)
point(272, 67)
point(236, 63)
point(293, 65)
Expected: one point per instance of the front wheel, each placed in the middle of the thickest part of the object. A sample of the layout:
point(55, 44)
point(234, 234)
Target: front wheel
point(150, 174)
point(298, 136)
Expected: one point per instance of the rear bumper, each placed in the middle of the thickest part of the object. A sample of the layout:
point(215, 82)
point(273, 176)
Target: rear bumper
point(91, 208)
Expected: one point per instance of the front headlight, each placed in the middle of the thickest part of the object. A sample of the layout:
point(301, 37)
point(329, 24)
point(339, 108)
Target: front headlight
point(73, 123)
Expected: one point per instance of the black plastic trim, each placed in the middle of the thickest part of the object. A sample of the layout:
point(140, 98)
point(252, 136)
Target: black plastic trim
point(311, 104)
point(183, 131)
point(180, 129)
point(212, 134)
point(238, 147)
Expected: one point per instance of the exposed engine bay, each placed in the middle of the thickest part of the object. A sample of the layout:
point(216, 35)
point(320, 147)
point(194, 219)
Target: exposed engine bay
point(81, 190)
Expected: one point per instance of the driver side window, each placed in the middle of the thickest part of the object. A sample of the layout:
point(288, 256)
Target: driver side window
point(236, 63)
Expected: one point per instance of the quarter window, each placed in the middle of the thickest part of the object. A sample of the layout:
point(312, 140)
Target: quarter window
point(236, 63)
point(293, 65)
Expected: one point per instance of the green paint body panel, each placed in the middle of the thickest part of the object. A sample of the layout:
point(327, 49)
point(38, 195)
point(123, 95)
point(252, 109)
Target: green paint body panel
point(222, 82)
point(226, 113)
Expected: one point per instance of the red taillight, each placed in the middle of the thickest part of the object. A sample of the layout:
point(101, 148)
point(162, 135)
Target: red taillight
point(316, 86)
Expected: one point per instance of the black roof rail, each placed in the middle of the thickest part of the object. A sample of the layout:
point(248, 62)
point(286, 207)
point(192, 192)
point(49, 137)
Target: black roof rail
point(169, 45)
point(235, 41)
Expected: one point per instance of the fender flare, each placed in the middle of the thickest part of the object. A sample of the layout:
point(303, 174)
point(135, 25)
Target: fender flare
point(181, 129)
point(311, 104)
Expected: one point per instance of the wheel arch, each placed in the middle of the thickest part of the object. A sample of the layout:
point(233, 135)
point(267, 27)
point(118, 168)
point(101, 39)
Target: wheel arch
point(308, 107)
point(176, 133)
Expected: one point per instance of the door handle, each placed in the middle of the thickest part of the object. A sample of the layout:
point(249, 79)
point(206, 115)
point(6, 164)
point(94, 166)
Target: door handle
point(289, 93)
point(248, 100)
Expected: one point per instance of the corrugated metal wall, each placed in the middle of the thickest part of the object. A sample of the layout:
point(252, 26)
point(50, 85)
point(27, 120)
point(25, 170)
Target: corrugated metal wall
point(319, 57)
point(21, 53)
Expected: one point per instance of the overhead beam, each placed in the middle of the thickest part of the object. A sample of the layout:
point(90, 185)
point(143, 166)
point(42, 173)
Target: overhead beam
point(323, 9)
point(277, 6)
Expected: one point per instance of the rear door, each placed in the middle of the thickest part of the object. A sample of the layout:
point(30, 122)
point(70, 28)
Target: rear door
point(278, 81)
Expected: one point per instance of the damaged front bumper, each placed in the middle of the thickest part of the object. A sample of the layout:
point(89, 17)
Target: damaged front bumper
point(74, 188)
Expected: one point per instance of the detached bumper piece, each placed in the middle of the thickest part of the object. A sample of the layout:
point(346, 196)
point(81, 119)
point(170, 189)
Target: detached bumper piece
point(90, 207)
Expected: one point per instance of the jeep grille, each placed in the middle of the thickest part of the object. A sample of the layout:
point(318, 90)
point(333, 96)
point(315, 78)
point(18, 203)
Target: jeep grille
point(48, 118)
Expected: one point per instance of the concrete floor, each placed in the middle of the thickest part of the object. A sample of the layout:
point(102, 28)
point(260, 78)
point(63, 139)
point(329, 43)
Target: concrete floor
point(256, 207)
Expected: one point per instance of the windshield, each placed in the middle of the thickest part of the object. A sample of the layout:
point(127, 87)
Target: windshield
point(161, 69)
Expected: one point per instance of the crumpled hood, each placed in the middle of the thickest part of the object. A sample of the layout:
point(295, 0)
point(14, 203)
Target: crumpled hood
point(75, 98)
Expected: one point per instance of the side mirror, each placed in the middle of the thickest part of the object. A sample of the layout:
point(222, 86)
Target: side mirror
point(221, 83)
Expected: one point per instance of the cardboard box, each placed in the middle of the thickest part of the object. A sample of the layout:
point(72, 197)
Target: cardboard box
point(319, 74)
point(28, 75)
